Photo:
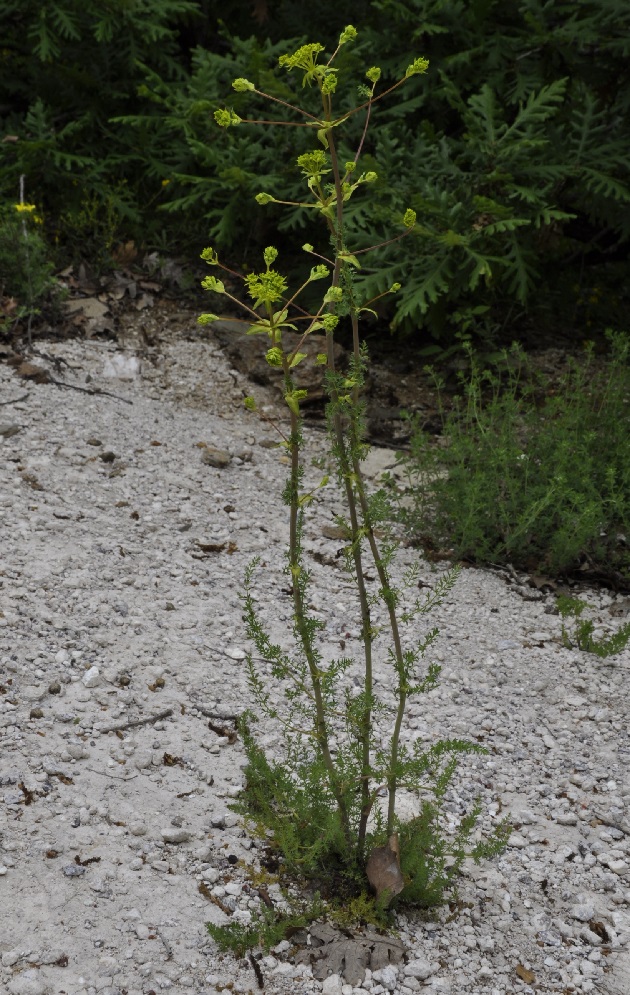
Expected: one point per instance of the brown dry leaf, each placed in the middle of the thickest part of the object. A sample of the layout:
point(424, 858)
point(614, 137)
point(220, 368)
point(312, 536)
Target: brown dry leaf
point(335, 532)
point(527, 976)
point(348, 954)
point(29, 371)
point(125, 254)
point(383, 869)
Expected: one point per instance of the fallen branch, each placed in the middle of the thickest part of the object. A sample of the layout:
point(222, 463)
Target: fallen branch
point(17, 400)
point(88, 390)
point(132, 723)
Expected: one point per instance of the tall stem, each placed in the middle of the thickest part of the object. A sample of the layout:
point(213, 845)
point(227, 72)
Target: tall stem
point(349, 474)
point(321, 726)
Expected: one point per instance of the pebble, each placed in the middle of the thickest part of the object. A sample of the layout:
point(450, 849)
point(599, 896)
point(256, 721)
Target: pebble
point(176, 835)
point(420, 969)
point(91, 678)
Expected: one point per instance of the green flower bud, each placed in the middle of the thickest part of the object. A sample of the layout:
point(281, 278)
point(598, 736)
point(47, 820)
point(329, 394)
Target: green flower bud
point(329, 84)
point(307, 247)
point(349, 33)
point(274, 356)
point(319, 272)
point(250, 403)
point(373, 74)
point(333, 295)
point(409, 218)
point(211, 283)
point(330, 322)
point(210, 256)
point(270, 255)
point(264, 198)
point(225, 118)
point(350, 167)
point(241, 85)
point(206, 319)
point(395, 287)
point(370, 177)
point(417, 66)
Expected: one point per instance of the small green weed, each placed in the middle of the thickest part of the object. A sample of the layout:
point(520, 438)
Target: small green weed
point(26, 270)
point(584, 627)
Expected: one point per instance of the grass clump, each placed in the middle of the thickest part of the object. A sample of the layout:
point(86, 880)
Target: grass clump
point(530, 475)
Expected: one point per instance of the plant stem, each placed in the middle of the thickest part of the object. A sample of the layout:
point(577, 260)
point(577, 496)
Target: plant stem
point(350, 479)
point(321, 727)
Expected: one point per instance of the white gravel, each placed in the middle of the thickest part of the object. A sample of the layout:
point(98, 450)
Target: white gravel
point(119, 585)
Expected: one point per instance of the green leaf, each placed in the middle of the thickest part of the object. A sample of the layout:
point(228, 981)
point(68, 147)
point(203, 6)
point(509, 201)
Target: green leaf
point(299, 356)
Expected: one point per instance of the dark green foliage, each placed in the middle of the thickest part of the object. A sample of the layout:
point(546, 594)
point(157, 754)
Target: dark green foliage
point(66, 69)
point(514, 152)
point(266, 929)
point(536, 478)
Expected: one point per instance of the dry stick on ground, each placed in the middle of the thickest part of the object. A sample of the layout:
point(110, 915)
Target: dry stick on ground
point(132, 723)
point(17, 400)
point(88, 390)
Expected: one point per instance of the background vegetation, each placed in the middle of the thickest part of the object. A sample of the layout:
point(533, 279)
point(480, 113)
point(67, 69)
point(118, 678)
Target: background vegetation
point(514, 150)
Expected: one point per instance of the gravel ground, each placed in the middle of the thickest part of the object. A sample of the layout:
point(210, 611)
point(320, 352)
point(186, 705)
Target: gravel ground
point(123, 551)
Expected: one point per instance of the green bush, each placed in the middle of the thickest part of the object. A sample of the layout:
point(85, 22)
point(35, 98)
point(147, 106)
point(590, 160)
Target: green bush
point(66, 69)
point(514, 156)
point(531, 476)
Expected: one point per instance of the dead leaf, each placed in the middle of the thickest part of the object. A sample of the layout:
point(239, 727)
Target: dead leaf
point(335, 532)
point(29, 371)
point(383, 869)
point(527, 976)
point(347, 953)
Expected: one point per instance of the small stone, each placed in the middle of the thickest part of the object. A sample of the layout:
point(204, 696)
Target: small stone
point(142, 931)
point(54, 688)
point(387, 977)
point(6, 431)
point(108, 457)
point(617, 866)
point(583, 912)
point(36, 713)
point(235, 653)
point(526, 817)
point(517, 841)
point(566, 819)
point(92, 441)
point(27, 983)
point(176, 835)
point(137, 828)
point(420, 969)
point(92, 678)
point(73, 870)
point(3, 870)
point(218, 458)
point(332, 985)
